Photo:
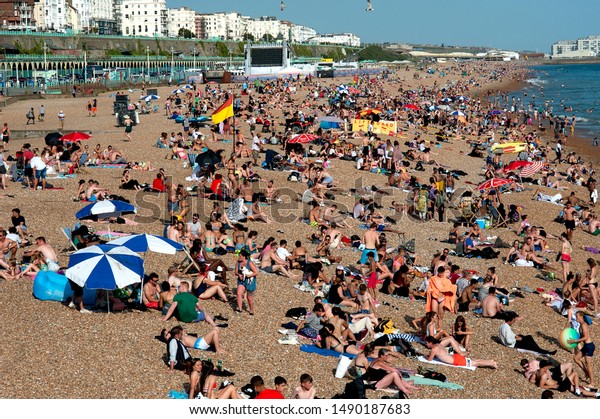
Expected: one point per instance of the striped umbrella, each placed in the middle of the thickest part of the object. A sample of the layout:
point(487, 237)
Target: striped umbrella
point(517, 164)
point(534, 167)
point(494, 183)
point(302, 138)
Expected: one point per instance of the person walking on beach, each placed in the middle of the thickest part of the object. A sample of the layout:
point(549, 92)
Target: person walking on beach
point(30, 117)
point(569, 216)
point(128, 127)
point(61, 120)
point(94, 107)
point(41, 114)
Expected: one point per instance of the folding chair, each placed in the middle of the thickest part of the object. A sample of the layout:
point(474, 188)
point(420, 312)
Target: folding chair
point(67, 232)
point(497, 219)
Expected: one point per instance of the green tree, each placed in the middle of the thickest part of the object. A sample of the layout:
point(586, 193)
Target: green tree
point(248, 37)
point(185, 33)
point(268, 37)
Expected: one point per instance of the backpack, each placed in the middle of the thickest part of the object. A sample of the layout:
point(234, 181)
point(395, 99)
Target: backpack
point(385, 326)
point(355, 389)
point(296, 312)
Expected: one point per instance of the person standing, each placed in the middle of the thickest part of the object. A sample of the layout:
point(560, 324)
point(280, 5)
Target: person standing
point(94, 106)
point(41, 114)
point(2, 168)
point(89, 108)
point(39, 170)
point(585, 352)
point(246, 272)
point(128, 127)
point(5, 133)
point(61, 120)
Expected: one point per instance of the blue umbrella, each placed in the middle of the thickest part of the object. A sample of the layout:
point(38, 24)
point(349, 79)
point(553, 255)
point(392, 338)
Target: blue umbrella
point(187, 86)
point(177, 91)
point(457, 113)
point(105, 266)
point(105, 209)
point(148, 242)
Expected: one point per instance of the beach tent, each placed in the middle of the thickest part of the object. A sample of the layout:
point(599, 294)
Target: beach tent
point(330, 122)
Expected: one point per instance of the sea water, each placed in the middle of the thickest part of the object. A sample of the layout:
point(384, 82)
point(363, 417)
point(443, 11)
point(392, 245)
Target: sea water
point(565, 90)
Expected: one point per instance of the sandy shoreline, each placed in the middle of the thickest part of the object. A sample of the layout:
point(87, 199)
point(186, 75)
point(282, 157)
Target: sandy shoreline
point(115, 356)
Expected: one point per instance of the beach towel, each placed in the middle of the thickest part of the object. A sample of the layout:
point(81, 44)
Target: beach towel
point(313, 349)
point(527, 351)
point(422, 381)
point(108, 166)
point(437, 362)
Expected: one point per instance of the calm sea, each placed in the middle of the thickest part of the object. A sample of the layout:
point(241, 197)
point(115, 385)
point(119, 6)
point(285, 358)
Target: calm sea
point(566, 90)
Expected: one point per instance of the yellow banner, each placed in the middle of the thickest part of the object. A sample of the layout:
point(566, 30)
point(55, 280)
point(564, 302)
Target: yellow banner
point(381, 127)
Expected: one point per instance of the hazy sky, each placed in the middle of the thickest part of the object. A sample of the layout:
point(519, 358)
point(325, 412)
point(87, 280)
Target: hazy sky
point(510, 24)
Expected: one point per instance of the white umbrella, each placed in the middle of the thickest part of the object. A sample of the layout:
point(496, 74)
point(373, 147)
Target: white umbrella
point(177, 91)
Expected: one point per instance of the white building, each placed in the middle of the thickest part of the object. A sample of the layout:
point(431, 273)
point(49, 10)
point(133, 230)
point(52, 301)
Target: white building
point(55, 15)
point(267, 27)
point(143, 18)
point(348, 39)
point(582, 47)
point(224, 26)
point(301, 34)
point(84, 12)
point(183, 18)
point(103, 19)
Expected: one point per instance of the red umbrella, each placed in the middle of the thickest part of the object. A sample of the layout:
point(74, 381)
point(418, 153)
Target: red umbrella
point(302, 138)
point(75, 136)
point(494, 183)
point(517, 164)
point(534, 167)
point(411, 107)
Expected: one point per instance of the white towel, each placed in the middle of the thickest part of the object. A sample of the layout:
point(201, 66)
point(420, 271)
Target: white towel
point(437, 362)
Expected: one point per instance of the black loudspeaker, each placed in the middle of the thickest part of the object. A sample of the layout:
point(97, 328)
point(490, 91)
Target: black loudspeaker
point(119, 107)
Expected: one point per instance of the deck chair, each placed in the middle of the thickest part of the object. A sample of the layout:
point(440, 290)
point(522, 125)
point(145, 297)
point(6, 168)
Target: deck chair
point(67, 232)
point(497, 219)
point(192, 159)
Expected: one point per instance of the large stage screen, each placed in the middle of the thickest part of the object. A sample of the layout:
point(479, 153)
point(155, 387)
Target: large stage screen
point(267, 57)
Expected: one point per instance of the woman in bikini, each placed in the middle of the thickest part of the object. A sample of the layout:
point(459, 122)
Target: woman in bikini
point(565, 257)
point(231, 171)
point(206, 287)
point(224, 241)
point(203, 383)
point(165, 298)
point(385, 374)
point(329, 341)
point(593, 282)
point(210, 238)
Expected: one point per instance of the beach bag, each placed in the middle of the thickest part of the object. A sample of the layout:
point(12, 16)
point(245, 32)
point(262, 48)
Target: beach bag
point(355, 389)
point(220, 251)
point(308, 332)
point(294, 177)
point(385, 326)
point(422, 202)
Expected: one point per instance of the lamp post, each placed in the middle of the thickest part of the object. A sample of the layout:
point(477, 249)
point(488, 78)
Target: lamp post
point(172, 62)
point(195, 52)
point(147, 60)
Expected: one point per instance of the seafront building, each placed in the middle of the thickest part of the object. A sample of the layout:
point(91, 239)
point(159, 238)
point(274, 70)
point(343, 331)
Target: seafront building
point(152, 18)
point(581, 48)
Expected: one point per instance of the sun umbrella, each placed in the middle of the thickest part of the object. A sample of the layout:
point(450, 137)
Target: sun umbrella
point(534, 167)
point(105, 209)
point(517, 164)
point(411, 106)
point(462, 98)
point(369, 112)
point(75, 136)
point(302, 138)
point(106, 267)
point(187, 86)
point(457, 113)
point(494, 183)
point(208, 158)
point(53, 139)
point(433, 108)
point(148, 242)
point(150, 97)
point(177, 91)
point(446, 99)
point(495, 112)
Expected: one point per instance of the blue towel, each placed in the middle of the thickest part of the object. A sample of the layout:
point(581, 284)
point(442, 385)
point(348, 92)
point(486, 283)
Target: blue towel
point(174, 394)
point(313, 349)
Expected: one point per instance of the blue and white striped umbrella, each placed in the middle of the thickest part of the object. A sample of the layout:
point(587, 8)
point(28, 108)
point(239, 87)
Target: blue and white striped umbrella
point(187, 86)
point(105, 209)
point(150, 97)
point(177, 91)
point(105, 266)
point(457, 113)
point(148, 242)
